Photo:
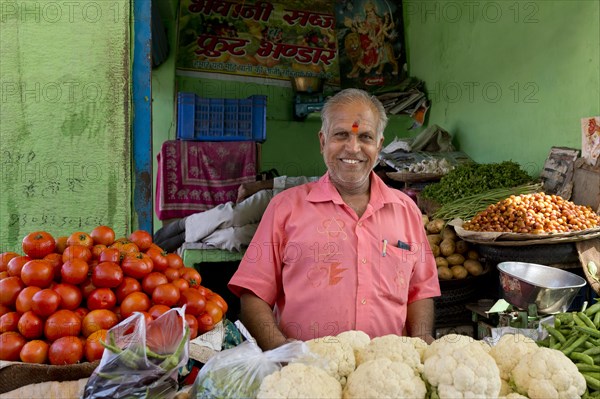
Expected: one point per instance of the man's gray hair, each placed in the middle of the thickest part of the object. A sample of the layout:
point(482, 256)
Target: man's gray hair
point(350, 96)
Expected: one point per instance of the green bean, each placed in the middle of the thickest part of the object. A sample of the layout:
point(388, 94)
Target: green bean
point(569, 341)
point(584, 367)
point(595, 308)
point(586, 320)
point(579, 341)
point(597, 319)
point(594, 350)
point(578, 321)
point(582, 357)
point(592, 381)
point(555, 333)
point(590, 331)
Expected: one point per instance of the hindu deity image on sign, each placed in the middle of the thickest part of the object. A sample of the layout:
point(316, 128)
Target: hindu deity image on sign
point(370, 43)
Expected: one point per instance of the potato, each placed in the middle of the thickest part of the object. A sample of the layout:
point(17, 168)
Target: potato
point(473, 267)
point(472, 254)
point(434, 239)
point(435, 250)
point(448, 232)
point(447, 247)
point(435, 226)
point(455, 259)
point(444, 273)
point(458, 272)
point(425, 219)
point(440, 261)
point(461, 247)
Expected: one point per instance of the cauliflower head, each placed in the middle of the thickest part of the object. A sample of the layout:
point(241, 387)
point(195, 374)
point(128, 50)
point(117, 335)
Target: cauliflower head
point(550, 374)
point(456, 340)
point(384, 378)
point(509, 350)
point(462, 371)
point(333, 355)
point(298, 380)
point(355, 338)
point(394, 347)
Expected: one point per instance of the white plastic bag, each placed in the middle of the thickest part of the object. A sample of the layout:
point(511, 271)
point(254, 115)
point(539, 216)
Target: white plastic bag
point(239, 371)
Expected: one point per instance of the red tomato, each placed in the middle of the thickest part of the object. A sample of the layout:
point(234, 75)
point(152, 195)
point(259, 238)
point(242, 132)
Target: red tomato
point(11, 343)
point(180, 283)
point(141, 238)
point(192, 322)
point(205, 323)
point(136, 265)
point(70, 295)
point(23, 301)
point(99, 319)
point(15, 265)
point(9, 322)
point(3, 275)
point(101, 298)
point(77, 252)
point(4, 310)
point(172, 274)
point(218, 299)
point(31, 325)
point(45, 302)
point(157, 310)
point(56, 262)
point(166, 294)
point(35, 351)
point(128, 286)
point(103, 235)
point(62, 323)
point(61, 244)
point(110, 255)
point(38, 244)
point(97, 250)
point(152, 280)
point(159, 259)
point(5, 257)
point(214, 311)
point(107, 275)
point(74, 271)
point(65, 350)
point(81, 312)
point(10, 288)
point(147, 317)
point(94, 349)
point(38, 273)
point(134, 302)
point(204, 291)
point(194, 301)
point(86, 287)
point(191, 275)
point(80, 238)
point(174, 260)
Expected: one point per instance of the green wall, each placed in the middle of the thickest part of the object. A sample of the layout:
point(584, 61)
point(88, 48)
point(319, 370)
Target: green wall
point(508, 79)
point(64, 125)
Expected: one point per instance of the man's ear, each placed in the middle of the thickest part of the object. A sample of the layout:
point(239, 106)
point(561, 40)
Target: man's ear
point(321, 140)
point(380, 146)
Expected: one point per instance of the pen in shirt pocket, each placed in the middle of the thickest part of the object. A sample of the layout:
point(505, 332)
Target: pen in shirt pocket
point(384, 248)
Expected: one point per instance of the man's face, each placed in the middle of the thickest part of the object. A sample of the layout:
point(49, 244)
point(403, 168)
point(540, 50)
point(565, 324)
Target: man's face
point(351, 146)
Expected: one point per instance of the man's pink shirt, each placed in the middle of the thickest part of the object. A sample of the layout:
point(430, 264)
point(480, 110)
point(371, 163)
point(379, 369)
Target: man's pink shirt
point(325, 270)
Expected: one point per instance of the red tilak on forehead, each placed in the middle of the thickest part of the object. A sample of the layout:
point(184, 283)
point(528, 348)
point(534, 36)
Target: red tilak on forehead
point(355, 127)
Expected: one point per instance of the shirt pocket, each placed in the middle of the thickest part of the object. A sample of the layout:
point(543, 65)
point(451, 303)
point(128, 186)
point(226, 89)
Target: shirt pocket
point(394, 272)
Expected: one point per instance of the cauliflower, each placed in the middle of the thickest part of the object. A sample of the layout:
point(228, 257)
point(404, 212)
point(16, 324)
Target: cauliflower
point(458, 370)
point(393, 347)
point(507, 352)
point(548, 374)
point(334, 355)
point(356, 339)
point(456, 340)
point(298, 380)
point(384, 378)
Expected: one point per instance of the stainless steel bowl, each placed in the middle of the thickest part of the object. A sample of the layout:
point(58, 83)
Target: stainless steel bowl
point(552, 290)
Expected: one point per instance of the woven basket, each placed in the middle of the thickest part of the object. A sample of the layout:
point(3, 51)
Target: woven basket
point(15, 375)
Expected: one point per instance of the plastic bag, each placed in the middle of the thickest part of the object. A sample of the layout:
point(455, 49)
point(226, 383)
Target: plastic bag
point(239, 371)
point(141, 361)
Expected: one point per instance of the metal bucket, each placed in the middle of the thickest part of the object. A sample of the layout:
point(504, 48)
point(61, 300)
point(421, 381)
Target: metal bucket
point(552, 290)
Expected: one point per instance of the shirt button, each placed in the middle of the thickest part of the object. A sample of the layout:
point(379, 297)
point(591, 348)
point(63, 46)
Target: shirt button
point(364, 301)
point(359, 224)
point(363, 260)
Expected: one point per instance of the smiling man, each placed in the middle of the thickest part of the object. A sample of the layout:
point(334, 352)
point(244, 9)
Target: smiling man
point(343, 253)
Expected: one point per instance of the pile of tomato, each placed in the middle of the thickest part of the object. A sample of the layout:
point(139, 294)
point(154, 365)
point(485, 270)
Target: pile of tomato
point(61, 296)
